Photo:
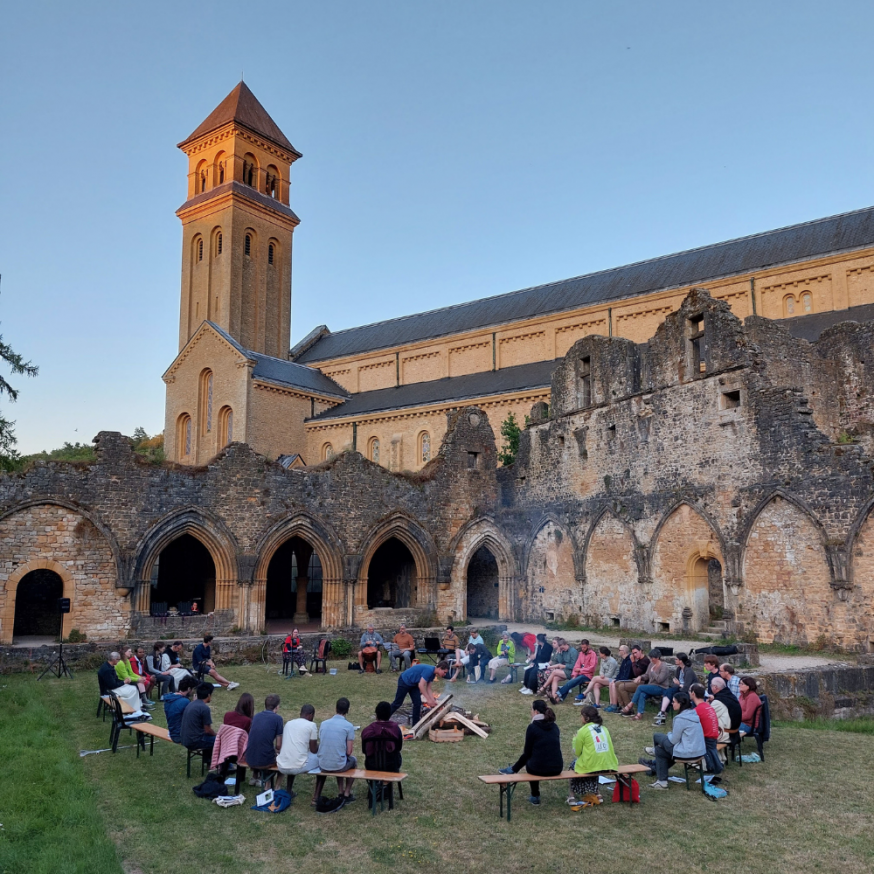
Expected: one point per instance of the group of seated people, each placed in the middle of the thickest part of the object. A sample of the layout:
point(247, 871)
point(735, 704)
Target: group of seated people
point(264, 740)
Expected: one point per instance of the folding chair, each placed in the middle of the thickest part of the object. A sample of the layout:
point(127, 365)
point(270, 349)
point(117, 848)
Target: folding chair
point(375, 749)
point(320, 656)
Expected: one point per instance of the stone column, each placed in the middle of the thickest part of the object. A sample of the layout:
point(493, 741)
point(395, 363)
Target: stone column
point(302, 552)
point(142, 600)
point(333, 603)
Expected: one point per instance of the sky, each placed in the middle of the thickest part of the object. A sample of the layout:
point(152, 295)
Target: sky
point(451, 151)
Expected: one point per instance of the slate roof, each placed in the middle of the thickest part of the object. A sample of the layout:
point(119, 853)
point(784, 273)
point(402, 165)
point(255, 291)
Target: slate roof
point(838, 233)
point(286, 373)
point(244, 108)
point(810, 327)
point(453, 388)
point(243, 191)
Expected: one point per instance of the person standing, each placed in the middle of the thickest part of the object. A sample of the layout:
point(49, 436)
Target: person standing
point(541, 755)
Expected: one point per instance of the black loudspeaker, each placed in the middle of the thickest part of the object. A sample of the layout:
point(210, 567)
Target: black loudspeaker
point(63, 605)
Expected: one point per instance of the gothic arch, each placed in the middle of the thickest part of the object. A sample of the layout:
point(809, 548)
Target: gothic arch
point(854, 534)
point(744, 533)
point(590, 533)
point(475, 535)
point(315, 531)
point(539, 525)
point(408, 531)
point(552, 570)
point(200, 524)
point(695, 507)
point(7, 616)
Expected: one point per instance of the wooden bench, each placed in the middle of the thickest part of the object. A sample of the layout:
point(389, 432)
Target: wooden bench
point(507, 783)
point(152, 731)
point(374, 780)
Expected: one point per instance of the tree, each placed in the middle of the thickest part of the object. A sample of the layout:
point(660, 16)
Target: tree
point(510, 431)
point(8, 455)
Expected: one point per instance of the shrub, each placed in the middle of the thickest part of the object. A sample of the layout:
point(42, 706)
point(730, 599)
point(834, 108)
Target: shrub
point(76, 636)
point(340, 647)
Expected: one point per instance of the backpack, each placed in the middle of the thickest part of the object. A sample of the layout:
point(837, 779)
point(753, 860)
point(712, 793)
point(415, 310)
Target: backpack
point(620, 792)
point(326, 805)
point(210, 788)
point(731, 649)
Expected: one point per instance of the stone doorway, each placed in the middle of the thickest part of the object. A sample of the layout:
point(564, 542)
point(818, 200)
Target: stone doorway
point(706, 590)
point(36, 605)
point(391, 577)
point(483, 585)
point(294, 586)
point(184, 573)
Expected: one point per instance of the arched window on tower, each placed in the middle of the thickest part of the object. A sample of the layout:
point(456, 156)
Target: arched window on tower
point(250, 170)
point(221, 173)
point(183, 436)
point(199, 248)
point(424, 447)
point(373, 449)
point(270, 253)
point(327, 452)
point(202, 181)
point(206, 381)
point(248, 245)
point(807, 302)
point(789, 305)
point(271, 182)
point(218, 243)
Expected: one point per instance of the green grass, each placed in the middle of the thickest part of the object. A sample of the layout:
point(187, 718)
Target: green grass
point(858, 725)
point(106, 814)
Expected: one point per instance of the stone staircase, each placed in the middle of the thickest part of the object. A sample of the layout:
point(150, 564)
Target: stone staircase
point(715, 631)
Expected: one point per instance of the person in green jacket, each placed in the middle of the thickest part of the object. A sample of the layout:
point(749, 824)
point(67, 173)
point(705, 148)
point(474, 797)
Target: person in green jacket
point(594, 749)
point(506, 656)
point(126, 673)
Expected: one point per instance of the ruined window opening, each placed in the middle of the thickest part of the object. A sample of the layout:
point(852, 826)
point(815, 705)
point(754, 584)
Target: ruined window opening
point(696, 344)
point(473, 460)
point(561, 443)
point(586, 381)
point(730, 400)
point(664, 627)
point(550, 616)
point(614, 622)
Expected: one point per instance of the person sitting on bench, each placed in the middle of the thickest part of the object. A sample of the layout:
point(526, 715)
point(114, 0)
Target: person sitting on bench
point(175, 704)
point(622, 690)
point(300, 746)
point(196, 730)
point(128, 675)
point(201, 661)
point(749, 701)
point(383, 731)
point(154, 662)
point(241, 716)
point(337, 735)
point(171, 661)
point(462, 657)
point(265, 738)
point(450, 642)
point(608, 668)
point(141, 669)
point(416, 682)
point(722, 694)
point(593, 747)
point(541, 754)
point(403, 647)
point(684, 741)
point(371, 641)
point(540, 657)
point(654, 682)
point(506, 656)
point(110, 681)
point(710, 727)
point(682, 682)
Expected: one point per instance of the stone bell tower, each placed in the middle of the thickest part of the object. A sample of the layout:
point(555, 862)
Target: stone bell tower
point(237, 226)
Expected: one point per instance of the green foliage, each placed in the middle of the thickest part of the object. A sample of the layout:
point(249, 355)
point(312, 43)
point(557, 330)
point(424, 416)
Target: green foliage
point(76, 636)
point(9, 457)
point(510, 431)
point(151, 448)
point(68, 452)
point(341, 648)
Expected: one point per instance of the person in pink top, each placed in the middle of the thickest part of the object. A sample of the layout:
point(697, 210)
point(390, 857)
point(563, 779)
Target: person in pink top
point(585, 668)
point(710, 726)
point(749, 703)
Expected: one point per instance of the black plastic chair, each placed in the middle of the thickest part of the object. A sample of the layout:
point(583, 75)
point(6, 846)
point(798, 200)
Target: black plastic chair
point(120, 722)
point(736, 739)
point(377, 754)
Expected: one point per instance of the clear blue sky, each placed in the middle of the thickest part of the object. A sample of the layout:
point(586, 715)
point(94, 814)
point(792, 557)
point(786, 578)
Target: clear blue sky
point(451, 150)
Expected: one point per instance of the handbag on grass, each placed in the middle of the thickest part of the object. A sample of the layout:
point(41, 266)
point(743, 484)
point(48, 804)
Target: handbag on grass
point(620, 792)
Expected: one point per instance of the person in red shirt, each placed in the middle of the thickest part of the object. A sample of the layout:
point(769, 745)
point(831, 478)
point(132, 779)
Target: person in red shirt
point(585, 668)
point(710, 726)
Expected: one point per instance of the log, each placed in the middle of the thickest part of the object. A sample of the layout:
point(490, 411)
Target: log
point(467, 723)
point(432, 716)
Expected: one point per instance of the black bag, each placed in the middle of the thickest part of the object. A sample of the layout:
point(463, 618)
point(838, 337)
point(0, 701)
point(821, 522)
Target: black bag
point(326, 805)
point(210, 789)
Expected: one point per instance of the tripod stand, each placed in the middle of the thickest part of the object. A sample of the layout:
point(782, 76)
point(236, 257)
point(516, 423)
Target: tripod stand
point(58, 667)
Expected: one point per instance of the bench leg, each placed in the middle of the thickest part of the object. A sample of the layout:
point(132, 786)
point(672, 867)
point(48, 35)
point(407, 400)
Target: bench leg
point(152, 745)
point(241, 776)
point(511, 788)
point(139, 736)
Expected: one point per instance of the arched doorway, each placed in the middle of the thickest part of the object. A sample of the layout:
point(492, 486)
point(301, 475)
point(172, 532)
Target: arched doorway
point(36, 605)
point(294, 586)
point(706, 589)
point(184, 572)
point(391, 576)
point(482, 585)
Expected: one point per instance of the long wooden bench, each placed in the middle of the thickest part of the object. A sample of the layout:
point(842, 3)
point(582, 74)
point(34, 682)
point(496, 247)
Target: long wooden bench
point(507, 783)
point(374, 780)
point(152, 732)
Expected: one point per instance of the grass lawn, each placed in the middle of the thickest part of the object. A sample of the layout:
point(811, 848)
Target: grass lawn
point(105, 814)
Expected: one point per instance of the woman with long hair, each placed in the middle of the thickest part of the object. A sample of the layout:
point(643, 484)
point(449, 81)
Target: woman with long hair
point(241, 715)
point(594, 750)
point(541, 755)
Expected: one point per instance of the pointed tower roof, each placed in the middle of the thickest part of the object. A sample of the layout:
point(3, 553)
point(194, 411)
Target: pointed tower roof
point(243, 107)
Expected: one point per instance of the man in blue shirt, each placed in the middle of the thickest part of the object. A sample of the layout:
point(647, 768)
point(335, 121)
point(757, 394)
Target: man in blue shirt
point(174, 705)
point(201, 661)
point(371, 640)
point(265, 736)
point(336, 736)
point(416, 682)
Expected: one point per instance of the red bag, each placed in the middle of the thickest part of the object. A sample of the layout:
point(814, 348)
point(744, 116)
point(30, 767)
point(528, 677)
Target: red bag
point(620, 792)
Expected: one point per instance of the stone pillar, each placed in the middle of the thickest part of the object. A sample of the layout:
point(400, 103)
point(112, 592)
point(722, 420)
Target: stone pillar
point(333, 603)
point(303, 553)
point(507, 598)
point(142, 600)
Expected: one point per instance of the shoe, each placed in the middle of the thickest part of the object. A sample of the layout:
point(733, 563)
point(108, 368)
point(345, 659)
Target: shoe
point(647, 763)
point(572, 801)
point(232, 686)
point(611, 708)
point(348, 799)
point(361, 670)
point(378, 671)
point(526, 691)
point(148, 704)
point(626, 715)
point(491, 681)
point(659, 720)
point(506, 770)
point(580, 698)
point(506, 682)
point(578, 702)
point(534, 799)
point(650, 751)
point(471, 680)
point(637, 717)
point(659, 785)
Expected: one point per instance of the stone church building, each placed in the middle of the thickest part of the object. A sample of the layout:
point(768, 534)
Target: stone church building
point(698, 452)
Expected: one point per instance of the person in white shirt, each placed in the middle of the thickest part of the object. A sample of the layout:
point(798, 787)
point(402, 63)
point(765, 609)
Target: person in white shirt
point(300, 744)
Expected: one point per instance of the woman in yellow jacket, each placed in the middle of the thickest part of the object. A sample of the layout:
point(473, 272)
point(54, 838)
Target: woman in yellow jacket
point(125, 672)
point(594, 750)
